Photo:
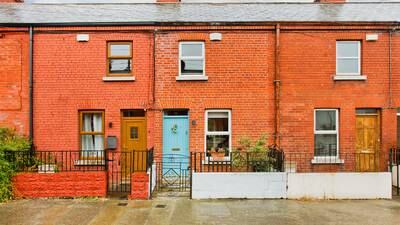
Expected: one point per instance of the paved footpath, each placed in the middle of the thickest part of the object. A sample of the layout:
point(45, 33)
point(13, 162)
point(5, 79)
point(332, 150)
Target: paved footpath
point(182, 211)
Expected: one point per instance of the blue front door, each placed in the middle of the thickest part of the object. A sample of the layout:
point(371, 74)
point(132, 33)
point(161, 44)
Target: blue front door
point(175, 141)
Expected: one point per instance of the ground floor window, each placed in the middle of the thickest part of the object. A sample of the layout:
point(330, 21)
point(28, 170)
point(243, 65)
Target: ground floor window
point(218, 132)
point(91, 133)
point(326, 134)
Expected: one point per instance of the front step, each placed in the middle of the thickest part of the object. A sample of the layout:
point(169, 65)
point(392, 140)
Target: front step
point(171, 194)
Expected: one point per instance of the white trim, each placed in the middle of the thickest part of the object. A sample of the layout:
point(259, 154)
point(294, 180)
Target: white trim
point(349, 77)
point(191, 77)
point(336, 131)
point(358, 57)
point(326, 160)
point(229, 132)
point(203, 57)
point(119, 78)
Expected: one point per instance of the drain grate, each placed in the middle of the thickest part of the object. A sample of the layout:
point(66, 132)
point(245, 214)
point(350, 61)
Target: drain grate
point(161, 206)
point(122, 204)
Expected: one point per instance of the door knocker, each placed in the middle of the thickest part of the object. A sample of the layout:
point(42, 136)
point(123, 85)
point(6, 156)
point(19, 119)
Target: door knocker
point(174, 128)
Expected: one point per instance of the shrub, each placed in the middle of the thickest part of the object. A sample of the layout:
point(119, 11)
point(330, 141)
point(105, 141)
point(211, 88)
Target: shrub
point(10, 140)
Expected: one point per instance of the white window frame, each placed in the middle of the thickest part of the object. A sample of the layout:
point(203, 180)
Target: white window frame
point(229, 132)
point(327, 159)
point(203, 57)
point(358, 73)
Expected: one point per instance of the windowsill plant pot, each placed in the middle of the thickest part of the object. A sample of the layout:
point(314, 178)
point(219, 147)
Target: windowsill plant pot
point(218, 155)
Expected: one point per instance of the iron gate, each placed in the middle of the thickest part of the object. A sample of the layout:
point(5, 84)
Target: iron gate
point(173, 173)
point(121, 165)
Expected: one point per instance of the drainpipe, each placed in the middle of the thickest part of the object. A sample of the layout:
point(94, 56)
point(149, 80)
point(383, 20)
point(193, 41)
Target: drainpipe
point(154, 67)
point(390, 68)
point(277, 84)
point(31, 84)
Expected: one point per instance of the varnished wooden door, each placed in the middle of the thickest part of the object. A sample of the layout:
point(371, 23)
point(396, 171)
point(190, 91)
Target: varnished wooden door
point(133, 144)
point(367, 142)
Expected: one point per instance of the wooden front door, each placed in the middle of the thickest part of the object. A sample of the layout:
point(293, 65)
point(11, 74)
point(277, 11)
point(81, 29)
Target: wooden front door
point(133, 144)
point(367, 141)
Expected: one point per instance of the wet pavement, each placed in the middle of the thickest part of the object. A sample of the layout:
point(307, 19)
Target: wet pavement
point(180, 210)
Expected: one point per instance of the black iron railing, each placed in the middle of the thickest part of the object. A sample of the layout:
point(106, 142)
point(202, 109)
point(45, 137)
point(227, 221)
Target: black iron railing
point(269, 161)
point(93, 160)
point(394, 166)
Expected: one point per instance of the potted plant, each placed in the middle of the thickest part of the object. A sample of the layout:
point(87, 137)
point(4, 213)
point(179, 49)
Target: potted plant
point(218, 154)
point(49, 165)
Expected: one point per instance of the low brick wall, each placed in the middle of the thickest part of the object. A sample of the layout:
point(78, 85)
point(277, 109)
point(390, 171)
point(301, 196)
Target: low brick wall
point(61, 184)
point(139, 186)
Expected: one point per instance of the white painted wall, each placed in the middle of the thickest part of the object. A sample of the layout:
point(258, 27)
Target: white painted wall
point(153, 178)
point(292, 185)
point(339, 185)
point(238, 185)
point(395, 170)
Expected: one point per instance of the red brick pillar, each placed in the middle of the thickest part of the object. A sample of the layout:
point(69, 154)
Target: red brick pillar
point(139, 186)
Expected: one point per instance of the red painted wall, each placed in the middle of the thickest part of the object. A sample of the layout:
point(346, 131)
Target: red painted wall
point(14, 96)
point(139, 186)
point(62, 184)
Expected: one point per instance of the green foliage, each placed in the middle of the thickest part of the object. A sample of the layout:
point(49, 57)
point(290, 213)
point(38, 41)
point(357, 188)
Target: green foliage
point(9, 141)
point(254, 155)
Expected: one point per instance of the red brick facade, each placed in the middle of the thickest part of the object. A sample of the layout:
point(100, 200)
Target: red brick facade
point(240, 69)
point(14, 99)
point(61, 184)
point(139, 186)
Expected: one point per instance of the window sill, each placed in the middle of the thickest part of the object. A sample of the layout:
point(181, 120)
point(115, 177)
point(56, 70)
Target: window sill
point(349, 77)
point(223, 161)
point(192, 78)
point(89, 162)
point(119, 78)
point(327, 160)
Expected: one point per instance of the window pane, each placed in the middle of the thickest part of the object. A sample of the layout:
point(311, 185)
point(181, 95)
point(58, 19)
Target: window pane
point(366, 111)
point(192, 50)
point(219, 143)
point(193, 66)
point(120, 65)
point(347, 48)
point(134, 133)
point(92, 122)
point(120, 50)
point(325, 120)
point(92, 142)
point(347, 66)
point(325, 144)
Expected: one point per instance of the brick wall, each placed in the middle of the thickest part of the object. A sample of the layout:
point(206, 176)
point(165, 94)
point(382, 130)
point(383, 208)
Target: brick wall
point(308, 65)
point(14, 96)
point(139, 186)
point(62, 184)
point(68, 77)
point(239, 78)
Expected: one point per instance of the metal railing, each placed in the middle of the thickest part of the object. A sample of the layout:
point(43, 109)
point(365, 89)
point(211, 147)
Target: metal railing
point(269, 161)
point(303, 162)
point(279, 161)
point(76, 160)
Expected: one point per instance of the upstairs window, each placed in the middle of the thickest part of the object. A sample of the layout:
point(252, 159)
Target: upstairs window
point(348, 61)
point(326, 135)
point(191, 59)
point(119, 58)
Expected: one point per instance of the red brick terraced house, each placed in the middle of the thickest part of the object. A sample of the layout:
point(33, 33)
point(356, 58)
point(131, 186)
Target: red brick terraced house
point(320, 79)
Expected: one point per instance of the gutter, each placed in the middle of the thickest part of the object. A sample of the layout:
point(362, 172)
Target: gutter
point(31, 84)
point(277, 84)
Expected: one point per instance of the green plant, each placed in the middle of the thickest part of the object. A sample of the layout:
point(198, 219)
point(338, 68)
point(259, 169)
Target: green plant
point(254, 155)
point(10, 140)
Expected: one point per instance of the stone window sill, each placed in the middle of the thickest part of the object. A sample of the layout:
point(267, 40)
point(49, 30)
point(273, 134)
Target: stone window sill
point(118, 78)
point(349, 77)
point(192, 78)
point(327, 160)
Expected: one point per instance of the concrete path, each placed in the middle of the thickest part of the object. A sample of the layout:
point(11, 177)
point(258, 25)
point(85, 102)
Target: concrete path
point(182, 211)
